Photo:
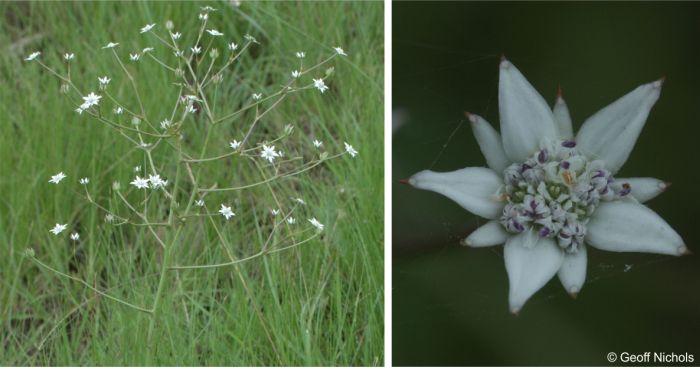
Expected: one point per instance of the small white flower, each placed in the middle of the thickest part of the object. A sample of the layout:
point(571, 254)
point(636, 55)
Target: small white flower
point(291, 220)
point(232, 46)
point(147, 28)
point(58, 228)
point(318, 143)
point(75, 236)
point(140, 183)
point(165, 124)
point(296, 74)
point(350, 150)
point(556, 191)
point(109, 218)
point(234, 144)
point(274, 212)
point(134, 57)
point(340, 51)
point(207, 8)
point(250, 38)
point(196, 50)
point(203, 16)
point(137, 169)
point(111, 45)
point(55, 179)
point(79, 110)
point(300, 201)
point(156, 181)
point(118, 110)
point(176, 35)
point(104, 80)
point(147, 49)
point(214, 32)
point(84, 181)
point(199, 202)
point(32, 56)
point(301, 54)
point(169, 25)
point(319, 226)
point(68, 56)
point(269, 153)
point(190, 97)
point(320, 85)
point(91, 99)
point(257, 96)
point(179, 53)
point(226, 211)
point(190, 109)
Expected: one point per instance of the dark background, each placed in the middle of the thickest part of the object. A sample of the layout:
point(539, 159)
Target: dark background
point(450, 303)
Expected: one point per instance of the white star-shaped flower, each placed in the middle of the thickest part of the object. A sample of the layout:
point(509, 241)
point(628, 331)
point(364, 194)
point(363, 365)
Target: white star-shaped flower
point(291, 220)
point(190, 109)
point(319, 226)
point(104, 81)
point(296, 74)
point(84, 181)
point(226, 212)
point(269, 153)
point(58, 228)
point(214, 32)
point(199, 203)
point(134, 57)
point(257, 96)
point(340, 51)
point(549, 193)
point(301, 54)
point(176, 35)
point(207, 8)
point(318, 143)
point(274, 212)
point(32, 56)
point(300, 201)
point(75, 236)
point(320, 85)
point(90, 100)
point(68, 56)
point(55, 179)
point(203, 16)
point(111, 45)
point(118, 110)
point(350, 150)
point(157, 182)
point(165, 124)
point(140, 183)
point(196, 50)
point(234, 144)
point(147, 28)
point(147, 50)
point(232, 46)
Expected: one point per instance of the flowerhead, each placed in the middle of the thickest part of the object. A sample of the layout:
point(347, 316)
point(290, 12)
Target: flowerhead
point(58, 228)
point(90, 100)
point(296, 74)
point(318, 143)
point(55, 179)
point(156, 182)
point(226, 212)
point(140, 183)
point(320, 85)
point(314, 222)
point(84, 181)
point(32, 56)
point(111, 45)
point(232, 46)
point(269, 153)
point(75, 236)
point(68, 56)
point(214, 32)
point(549, 194)
point(176, 35)
point(350, 150)
point(340, 51)
point(301, 54)
point(235, 144)
point(196, 50)
point(147, 28)
point(134, 57)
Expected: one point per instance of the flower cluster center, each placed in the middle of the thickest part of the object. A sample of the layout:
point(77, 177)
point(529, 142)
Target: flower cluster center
point(554, 193)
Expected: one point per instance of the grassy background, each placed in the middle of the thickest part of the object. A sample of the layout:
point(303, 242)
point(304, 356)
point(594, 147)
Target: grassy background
point(320, 303)
point(450, 303)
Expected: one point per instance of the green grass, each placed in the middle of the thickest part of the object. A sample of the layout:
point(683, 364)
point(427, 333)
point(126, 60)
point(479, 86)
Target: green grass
point(318, 304)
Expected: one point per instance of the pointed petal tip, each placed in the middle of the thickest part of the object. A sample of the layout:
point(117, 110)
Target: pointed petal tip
point(559, 94)
point(471, 117)
point(406, 182)
point(505, 64)
point(684, 251)
point(664, 185)
point(658, 83)
point(465, 242)
point(573, 292)
point(515, 311)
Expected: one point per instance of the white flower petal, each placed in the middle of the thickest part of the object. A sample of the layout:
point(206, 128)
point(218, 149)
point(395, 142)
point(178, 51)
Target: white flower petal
point(490, 143)
point(562, 119)
point(529, 269)
point(474, 188)
point(526, 119)
point(572, 273)
point(643, 188)
point(627, 226)
point(610, 134)
point(490, 234)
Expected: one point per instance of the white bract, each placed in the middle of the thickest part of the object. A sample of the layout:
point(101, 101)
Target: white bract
point(548, 193)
